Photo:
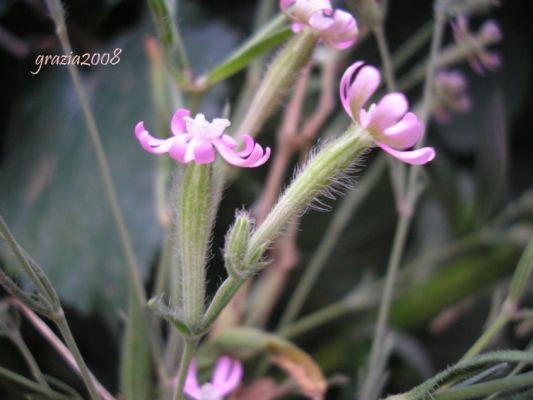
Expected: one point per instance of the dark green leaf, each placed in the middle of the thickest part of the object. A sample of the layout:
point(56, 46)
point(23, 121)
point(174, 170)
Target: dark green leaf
point(53, 195)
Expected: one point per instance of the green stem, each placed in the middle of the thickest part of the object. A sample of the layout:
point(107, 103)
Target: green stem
point(344, 307)
point(412, 45)
point(338, 223)
point(19, 342)
point(57, 12)
point(27, 383)
point(317, 318)
point(396, 168)
point(186, 358)
point(278, 79)
point(222, 297)
point(63, 327)
point(194, 222)
point(170, 37)
point(402, 228)
point(486, 338)
point(384, 52)
point(320, 173)
point(41, 285)
point(486, 388)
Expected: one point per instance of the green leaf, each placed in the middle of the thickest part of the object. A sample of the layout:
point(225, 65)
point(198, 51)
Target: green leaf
point(266, 39)
point(488, 388)
point(52, 193)
point(460, 278)
point(465, 369)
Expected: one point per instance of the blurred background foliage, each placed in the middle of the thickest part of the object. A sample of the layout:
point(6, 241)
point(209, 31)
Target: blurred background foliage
point(469, 229)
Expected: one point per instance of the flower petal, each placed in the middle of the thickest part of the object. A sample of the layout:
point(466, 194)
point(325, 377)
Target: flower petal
point(403, 134)
point(320, 21)
point(201, 151)
point(221, 371)
point(178, 150)
point(285, 4)
point(342, 33)
point(248, 146)
point(230, 141)
point(344, 87)
point(227, 375)
point(304, 9)
point(491, 31)
point(388, 111)
point(217, 127)
point(177, 123)
point(256, 158)
point(357, 86)
point(415, 157)
point(150, 143)
point(192, 388)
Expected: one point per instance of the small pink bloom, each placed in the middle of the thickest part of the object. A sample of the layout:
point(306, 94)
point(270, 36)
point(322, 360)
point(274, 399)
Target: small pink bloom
point(226, 377)
point(451, 93)
point(392, 127)
point(197, 139)
point(481, 58)
point(337, 28)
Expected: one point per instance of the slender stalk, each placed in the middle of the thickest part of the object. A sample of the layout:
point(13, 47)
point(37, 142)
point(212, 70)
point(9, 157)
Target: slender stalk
point(86, 375)
point(277, 80)
point(164, 17)
point(58, 345)
point(384, 52)
point(488, 335)
point(135, 281)
point(186, 358)
point(317, 318)
point(222, 297)
point(396, 168)
point(19, 342)
point(402, 228)
point(57, 12)
point(25, 382)
point(412, 45)
point(329, 241)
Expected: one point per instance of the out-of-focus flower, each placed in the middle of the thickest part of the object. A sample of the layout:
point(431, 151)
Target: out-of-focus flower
point(196, 140)
point(226, 377)
point(337, 28)
point(391, 126)
point(451, 94)
point(480, 59)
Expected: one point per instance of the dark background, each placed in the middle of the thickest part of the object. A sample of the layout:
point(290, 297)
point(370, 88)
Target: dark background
point(34, 107)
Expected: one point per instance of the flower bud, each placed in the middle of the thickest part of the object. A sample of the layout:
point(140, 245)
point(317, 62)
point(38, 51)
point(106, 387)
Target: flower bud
point(237, 245)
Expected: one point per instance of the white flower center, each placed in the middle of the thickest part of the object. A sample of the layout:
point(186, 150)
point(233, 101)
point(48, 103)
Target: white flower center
point(209, 392)
point(200, 128)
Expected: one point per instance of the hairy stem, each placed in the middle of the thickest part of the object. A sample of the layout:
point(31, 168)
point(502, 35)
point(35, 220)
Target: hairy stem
point(329, 240)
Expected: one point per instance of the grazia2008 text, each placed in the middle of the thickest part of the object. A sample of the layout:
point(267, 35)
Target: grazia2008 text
point(85, 59)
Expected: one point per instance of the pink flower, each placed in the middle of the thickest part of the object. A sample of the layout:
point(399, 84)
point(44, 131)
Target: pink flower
point(451, 92)
point(196, 140)
point(481, 59)
point(337, 28)
point(226, 377)
point(392, 127)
